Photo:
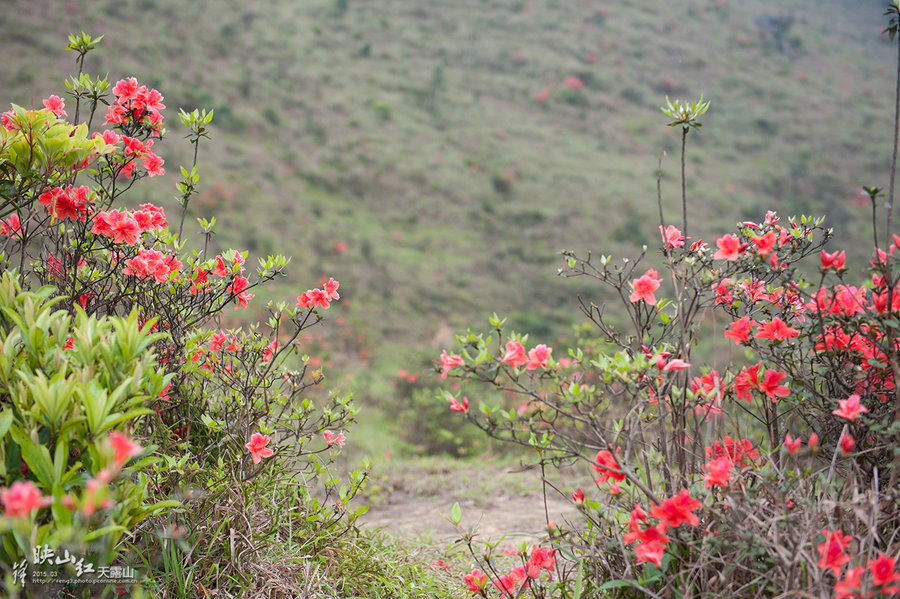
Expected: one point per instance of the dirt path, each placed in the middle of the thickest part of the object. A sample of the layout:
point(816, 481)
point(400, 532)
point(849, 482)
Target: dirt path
point(496, 499)
point(514, 516)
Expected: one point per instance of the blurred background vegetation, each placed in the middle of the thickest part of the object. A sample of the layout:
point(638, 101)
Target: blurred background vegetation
point(436, 156)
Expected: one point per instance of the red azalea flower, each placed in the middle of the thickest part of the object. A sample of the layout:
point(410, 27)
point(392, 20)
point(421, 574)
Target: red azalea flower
point(765, 244)
point(847, 443)
point(770, 385)
point(608, 467)
point(832, 551)
point(123, 447)
point(677, 510)
point(776, 330)
point(578, 497)
point(883, 570)
point(834, 260)
point(719, 472)
point(851, 584)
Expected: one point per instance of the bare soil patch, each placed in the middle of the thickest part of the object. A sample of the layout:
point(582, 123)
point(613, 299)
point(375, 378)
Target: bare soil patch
point(414, 499)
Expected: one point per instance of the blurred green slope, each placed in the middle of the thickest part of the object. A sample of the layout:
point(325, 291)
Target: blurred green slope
point(414, 132)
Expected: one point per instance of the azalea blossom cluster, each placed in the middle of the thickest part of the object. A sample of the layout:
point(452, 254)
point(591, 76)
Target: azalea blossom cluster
point(67, 202)
point(650, 540)
point(320, 298)
point(238, 284)
point(519, 578)
point(152, 263)
point(135, 104)
point(127, 226)
point(536, 358)
point(882, 571)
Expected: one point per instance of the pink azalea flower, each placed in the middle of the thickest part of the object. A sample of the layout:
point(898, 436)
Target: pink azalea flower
point(56, 105)
point(813, 442)
point(66, 202)
point(573, 83)
point(153, 164)
point(730, 248)
point(440, 565)
point(675, 364)
point(11, 225)
point(475, 581)
point(644, 286)
point(459, 407)
point(449, 361)
point(22, 498)
point(835, 260)
point(330, 289)
point(515, 354)
point(331, 439)
point(257, 447)
point(672, 237)
point(791, 445)
point(850, 408)
point(538, 357)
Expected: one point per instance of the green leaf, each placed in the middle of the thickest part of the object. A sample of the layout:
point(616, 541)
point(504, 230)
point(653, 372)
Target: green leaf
point(456, 514)
point(579, 582)
point(5, 420)
point(104, 531)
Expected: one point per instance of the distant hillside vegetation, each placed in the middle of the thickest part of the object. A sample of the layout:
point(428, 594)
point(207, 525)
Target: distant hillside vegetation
point(455, 147)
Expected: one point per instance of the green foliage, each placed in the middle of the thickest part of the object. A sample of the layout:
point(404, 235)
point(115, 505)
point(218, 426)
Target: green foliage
point(58, 406)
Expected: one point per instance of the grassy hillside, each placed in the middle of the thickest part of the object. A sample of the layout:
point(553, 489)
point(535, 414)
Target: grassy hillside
point(439, 142)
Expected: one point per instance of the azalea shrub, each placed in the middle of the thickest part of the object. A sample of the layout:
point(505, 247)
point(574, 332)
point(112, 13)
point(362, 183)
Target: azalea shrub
point(134, 361)
point(426, 426)
point(775, 473)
